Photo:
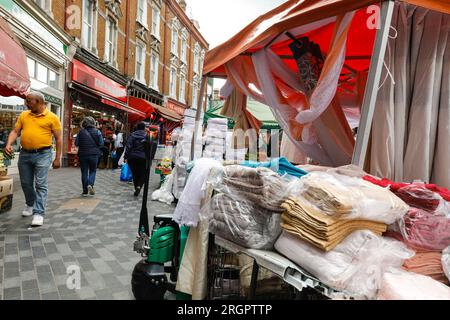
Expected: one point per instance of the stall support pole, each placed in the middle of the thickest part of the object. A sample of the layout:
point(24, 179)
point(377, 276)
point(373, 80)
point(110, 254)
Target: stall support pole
point(373, 81)
point(254, 280)
point(197, 115)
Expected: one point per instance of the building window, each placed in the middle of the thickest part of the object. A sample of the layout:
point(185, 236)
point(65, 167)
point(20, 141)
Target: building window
point(140, 62)
point(31, 67)
point(110, 41)
point(45, 5)
point(182, 91)
point(174, 44)
point(173, 81)
point(196, 57)
point(88, 24)
point(155, 22)
point(183, 49)
point(42, 73)
point(142, 12)
point(154, 68)
point(194, 96)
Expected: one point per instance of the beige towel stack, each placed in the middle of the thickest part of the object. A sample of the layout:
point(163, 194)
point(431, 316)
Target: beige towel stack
point(309, 223)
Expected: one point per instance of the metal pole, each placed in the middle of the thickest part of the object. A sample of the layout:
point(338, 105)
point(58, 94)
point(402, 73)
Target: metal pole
point(197, 116)
point(373, 81)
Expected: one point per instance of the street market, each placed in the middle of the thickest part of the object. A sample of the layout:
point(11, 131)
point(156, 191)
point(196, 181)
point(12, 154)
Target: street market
point(317, 170)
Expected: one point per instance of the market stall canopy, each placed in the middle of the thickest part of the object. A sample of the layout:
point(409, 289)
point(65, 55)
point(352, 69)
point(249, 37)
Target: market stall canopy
point(289, 17)
point(147, 108)
point(14, 78)
point(142, 105)
point(261, 112)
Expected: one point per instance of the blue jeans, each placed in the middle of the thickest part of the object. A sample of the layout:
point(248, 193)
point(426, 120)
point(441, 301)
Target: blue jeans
point(33, 170)
point(88, 165)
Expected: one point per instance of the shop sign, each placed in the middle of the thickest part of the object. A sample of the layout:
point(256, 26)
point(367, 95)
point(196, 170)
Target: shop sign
point(91, 78)
point(52, 99)
point(178, 109)
point(22, 16)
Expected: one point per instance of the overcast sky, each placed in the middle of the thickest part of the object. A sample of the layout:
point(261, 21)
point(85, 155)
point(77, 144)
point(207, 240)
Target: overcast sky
point(221, 19)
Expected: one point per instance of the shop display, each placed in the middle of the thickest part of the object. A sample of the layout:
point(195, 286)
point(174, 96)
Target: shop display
point(404, 285)
point(355, 266)
point(215, 138)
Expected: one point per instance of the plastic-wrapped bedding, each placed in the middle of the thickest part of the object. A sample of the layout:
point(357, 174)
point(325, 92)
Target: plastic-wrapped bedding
point(402, 285)
point(244, 223)
point(355, 266)
point(424, 230)
point(351, 197)
point(246, 208)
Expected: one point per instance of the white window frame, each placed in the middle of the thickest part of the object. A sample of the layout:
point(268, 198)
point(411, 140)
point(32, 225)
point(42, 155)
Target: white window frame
point(183, 54)
point(174, 41)
point(182, 88)
point(154, 70)
point(173, 83)
point(140, 76)
point(194, 95)
point(111, 58)
point(88, 42)
point(156, 22)
point(45, 5)
point(142, 4)
point(196, 58)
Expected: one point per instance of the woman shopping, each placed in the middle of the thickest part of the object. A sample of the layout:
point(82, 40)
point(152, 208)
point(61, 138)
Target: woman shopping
point(89, 141)
point(135, 156)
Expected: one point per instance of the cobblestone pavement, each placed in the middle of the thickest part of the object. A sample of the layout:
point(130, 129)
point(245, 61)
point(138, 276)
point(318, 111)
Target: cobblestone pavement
point(95, 233)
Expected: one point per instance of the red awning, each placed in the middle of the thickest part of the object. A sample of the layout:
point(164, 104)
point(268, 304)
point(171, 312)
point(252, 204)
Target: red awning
point(149, 108)
point(14, 78)
point(142, 105)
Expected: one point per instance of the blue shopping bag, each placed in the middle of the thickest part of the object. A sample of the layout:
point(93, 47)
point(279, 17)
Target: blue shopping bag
point(125, 173)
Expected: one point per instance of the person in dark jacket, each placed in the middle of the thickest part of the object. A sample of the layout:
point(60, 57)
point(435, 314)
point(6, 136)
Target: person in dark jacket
point(135, 156)
point(89, 141)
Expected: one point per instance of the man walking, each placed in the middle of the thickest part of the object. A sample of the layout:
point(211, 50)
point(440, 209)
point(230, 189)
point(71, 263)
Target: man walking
point(36, 128)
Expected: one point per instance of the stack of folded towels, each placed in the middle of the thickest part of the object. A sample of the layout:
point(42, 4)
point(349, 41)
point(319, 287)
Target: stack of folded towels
point(329, 207)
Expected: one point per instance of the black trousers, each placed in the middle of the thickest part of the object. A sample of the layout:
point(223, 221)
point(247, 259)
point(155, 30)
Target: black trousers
point(137, 167)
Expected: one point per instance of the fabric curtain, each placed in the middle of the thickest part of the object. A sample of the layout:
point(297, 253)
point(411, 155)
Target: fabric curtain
point(410, 133)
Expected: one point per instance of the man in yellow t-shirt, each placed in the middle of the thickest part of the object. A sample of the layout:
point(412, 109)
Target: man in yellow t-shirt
point(36, 127)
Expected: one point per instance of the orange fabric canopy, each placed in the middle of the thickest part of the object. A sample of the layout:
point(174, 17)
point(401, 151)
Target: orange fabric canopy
point(291, 15)
point(141, 105)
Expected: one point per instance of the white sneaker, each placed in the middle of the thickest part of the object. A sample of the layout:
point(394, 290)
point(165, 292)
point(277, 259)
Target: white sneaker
point(38, 220)
point(28, 212)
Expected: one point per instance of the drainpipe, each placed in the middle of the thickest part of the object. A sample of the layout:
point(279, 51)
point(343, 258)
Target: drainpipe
point(164, 54)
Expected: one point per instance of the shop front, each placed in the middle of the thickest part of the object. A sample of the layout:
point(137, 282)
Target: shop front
point(94, 94)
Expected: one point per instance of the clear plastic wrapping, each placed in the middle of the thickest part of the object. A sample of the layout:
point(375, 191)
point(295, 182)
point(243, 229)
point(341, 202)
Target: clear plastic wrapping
point(354, 267)
point(446, 262)
point(164, 194)
point(247, 205)
point(403, 285)
point(416, 195)
point(424, 230)
point(351, 197)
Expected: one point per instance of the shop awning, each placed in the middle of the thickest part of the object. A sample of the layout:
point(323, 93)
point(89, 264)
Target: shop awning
point(105, 99)
point(142, 105)
point(14, 78)
point(167, 113)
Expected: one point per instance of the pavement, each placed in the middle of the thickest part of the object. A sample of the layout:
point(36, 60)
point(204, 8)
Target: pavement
point(90, 237)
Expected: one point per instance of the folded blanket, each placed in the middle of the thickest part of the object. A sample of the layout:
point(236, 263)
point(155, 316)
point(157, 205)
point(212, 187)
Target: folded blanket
point(243, 223)
point(351, 197)
point(309, 223)
point(427, 264)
